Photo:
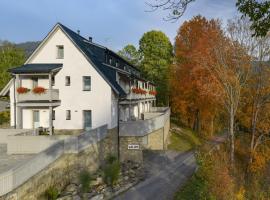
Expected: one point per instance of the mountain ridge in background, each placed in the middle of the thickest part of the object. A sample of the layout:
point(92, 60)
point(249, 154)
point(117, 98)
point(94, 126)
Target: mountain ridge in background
point(29, 47)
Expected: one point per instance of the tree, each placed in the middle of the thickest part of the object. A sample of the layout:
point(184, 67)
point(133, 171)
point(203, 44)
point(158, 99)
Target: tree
point(176, 7)
point(231, 68)
point(157, 53)
point(130, 53)
point(195, 93)
point(256, 94)
point(258, 13)
point(10, 56)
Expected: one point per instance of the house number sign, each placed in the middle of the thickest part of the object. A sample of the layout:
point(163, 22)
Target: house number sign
point(133, 146)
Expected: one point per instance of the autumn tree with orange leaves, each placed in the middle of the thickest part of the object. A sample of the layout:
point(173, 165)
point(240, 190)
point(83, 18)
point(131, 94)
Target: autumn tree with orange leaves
point(195, 93)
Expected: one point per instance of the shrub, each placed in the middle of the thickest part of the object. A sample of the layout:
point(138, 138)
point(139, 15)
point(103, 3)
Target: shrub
point(4, 117)
point(110, 159)
point(111, 170)
point(51, 193)
point(85, 179)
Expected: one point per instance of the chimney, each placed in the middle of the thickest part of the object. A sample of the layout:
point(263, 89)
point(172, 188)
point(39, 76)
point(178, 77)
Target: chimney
point(90, 39)
point(78, 31)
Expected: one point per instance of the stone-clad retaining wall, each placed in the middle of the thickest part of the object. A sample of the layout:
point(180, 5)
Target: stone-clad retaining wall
point(66, 168)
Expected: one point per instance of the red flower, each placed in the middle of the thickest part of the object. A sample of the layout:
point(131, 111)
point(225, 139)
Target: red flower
point(39, 90)
point(22, 90)
point(152, 92)
point(138, 91)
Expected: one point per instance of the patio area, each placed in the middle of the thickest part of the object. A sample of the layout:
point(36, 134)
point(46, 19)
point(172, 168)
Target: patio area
point(8, 162)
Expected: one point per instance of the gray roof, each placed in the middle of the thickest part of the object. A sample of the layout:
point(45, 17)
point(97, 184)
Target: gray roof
point(36, 68)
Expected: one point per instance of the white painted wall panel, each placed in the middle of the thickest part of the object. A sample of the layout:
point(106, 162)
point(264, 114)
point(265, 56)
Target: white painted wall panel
point(43, 82)
point(27, 83)
point(72, 97)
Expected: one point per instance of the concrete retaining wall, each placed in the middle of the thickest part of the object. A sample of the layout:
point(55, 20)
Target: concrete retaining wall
point(154, 138)
point(59, 164)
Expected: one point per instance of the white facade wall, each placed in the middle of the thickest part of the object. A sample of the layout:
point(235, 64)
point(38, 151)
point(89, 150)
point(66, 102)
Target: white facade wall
point(26, 82)
point(100, 100)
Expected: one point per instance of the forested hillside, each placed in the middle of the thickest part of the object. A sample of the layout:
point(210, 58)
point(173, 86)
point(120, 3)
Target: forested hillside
point(28, 47)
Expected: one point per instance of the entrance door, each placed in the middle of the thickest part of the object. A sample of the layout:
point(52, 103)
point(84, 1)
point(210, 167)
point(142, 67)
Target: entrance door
point(36, 119)
point(87, 117)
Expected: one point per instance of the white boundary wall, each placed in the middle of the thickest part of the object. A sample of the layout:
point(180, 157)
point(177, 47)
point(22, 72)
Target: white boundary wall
point(13, 178)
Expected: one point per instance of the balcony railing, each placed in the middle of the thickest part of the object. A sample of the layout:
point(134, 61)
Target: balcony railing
point(30, 96)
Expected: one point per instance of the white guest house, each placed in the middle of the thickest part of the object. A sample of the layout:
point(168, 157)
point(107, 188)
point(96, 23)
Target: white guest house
point(71, 83)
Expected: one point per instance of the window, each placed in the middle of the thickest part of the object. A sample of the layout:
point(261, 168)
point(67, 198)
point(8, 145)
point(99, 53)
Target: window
point(60, 52)
point(53, 81)
point(116, 64)
point(68, 115)
point(86, 83)
point(67, 83)
point(53, 115)
point(110, 61)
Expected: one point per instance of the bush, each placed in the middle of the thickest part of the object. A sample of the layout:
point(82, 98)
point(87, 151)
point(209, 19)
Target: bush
point(212, 181)
point(52, 193)
point(4, 117)
point(85, 179)
point(111, 170)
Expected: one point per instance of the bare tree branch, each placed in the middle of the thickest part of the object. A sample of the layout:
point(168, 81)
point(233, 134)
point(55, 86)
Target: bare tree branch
point(176, 8)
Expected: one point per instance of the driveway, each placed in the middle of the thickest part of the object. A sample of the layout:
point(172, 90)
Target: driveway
point(166, 172)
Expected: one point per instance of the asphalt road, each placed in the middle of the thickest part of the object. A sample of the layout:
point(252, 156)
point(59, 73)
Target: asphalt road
point(167, 171)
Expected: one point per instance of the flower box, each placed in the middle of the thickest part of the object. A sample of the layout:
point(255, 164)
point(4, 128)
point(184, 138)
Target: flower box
point(22, 90)
point(39, 90)
point(138, 91)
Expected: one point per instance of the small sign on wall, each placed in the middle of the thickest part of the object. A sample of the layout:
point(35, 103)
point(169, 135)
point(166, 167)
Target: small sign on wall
point(133, 146)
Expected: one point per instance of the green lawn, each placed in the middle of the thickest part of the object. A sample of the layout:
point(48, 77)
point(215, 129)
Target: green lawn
point(183, 140)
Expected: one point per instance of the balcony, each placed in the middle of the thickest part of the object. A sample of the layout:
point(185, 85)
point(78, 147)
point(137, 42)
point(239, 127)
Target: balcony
point(30, 96)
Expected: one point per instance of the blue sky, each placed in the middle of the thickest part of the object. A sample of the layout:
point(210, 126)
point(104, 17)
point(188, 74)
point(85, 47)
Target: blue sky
point(113, 23)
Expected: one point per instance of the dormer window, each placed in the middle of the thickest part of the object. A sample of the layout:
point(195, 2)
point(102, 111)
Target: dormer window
point(60, 52)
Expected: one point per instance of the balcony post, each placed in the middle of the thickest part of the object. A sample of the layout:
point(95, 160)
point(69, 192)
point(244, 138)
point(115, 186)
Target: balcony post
point(50, 120)
point(50, 107)
point(18, 110)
